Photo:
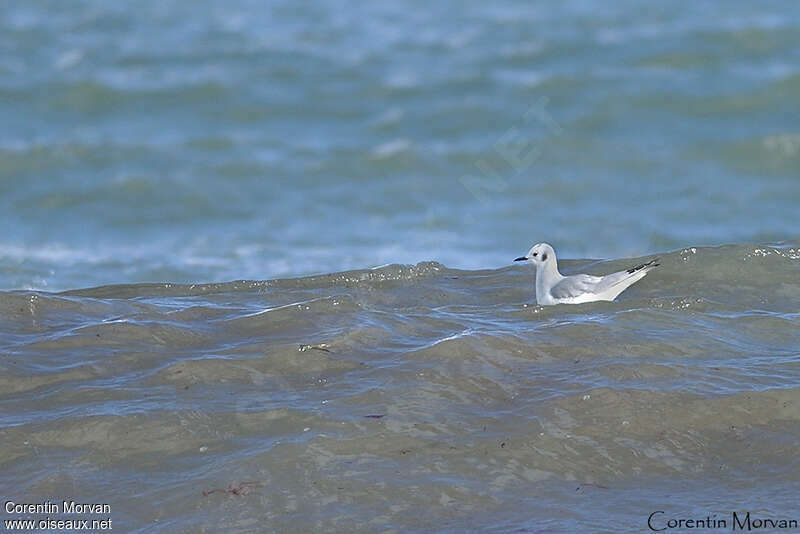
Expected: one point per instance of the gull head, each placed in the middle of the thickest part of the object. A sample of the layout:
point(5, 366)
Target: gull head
point(540, 255)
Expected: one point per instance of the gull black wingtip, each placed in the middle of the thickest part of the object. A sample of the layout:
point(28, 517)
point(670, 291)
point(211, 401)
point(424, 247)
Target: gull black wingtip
point(651, 263)
point(521, 258)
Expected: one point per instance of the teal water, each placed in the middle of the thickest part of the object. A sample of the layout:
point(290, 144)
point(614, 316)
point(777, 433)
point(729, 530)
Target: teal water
point(255, 273)
point(186, 142)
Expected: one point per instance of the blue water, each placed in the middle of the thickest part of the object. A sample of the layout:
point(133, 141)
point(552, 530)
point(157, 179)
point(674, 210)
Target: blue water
point(198, 159)
point(197, 141)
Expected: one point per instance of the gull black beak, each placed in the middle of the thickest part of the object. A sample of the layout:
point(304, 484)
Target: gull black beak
point(521, 258)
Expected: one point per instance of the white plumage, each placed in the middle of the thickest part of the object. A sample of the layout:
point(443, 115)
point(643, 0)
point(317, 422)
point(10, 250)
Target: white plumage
point(554, 288)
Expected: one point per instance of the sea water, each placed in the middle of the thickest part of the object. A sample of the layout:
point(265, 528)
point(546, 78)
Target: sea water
point(255, 266)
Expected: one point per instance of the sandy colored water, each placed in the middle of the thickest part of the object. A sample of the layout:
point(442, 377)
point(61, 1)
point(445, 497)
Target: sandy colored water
point(410, 398)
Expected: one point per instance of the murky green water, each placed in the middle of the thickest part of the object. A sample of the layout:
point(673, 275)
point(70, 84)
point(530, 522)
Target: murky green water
point(411, 398)
point(157, 150)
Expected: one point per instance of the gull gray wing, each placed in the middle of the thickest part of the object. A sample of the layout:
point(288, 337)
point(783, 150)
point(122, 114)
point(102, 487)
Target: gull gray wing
point(573, 286)
point(607, 287)
point(632, 274)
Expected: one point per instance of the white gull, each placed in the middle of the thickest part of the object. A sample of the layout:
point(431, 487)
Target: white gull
point(554, 288)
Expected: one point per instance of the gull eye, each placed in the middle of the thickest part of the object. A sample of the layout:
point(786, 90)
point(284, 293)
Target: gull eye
point(535, 254)
point(544, 257)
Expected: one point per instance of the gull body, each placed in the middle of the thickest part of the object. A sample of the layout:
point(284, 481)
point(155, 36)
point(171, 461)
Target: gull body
point(554, 288)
